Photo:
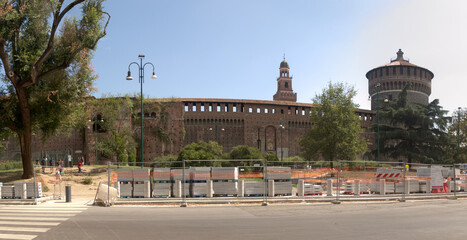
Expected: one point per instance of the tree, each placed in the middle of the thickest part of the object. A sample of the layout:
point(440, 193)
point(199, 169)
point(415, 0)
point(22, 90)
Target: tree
point(336, 128)
point(38, 47)
point(459, 123)
point(117, 141)
point(245, 152)
point(415, 132)
point(201, 151)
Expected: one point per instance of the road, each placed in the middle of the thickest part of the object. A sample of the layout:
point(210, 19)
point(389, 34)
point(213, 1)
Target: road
point(434, 219)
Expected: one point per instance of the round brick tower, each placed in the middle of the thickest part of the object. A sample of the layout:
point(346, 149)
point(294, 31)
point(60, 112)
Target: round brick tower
point(390, 79)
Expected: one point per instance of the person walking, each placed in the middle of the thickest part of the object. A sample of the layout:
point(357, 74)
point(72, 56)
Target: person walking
point(79, 166)
point(60, 165)
point(43, 163)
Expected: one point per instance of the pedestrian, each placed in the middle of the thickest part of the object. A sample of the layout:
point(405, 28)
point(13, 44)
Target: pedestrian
point(79, 166)
point(43, 163)
point(60, 165)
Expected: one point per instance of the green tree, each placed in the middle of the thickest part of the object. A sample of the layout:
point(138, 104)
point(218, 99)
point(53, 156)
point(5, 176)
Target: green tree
point(459, 123)
point(40, 48)
point(245, 152)
point(201, 151)
point(117, 141)
point(414, 132)
point(271, 157)
point(132, 156)
point(336, 128)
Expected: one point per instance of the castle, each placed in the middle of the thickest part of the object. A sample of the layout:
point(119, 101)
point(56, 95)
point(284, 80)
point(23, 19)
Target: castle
point(272, 126)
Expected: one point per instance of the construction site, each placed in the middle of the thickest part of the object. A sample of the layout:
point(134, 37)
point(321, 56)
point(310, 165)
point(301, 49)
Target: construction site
point(252, 182)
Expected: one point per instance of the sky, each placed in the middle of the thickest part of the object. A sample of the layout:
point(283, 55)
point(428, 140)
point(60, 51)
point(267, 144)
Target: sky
point(233, 48)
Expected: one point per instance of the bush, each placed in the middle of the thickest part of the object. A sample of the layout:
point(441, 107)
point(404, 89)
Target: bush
point(166, 161)
point(45, 188)
point(132, 157)
point(87, 181)
point(11, 165)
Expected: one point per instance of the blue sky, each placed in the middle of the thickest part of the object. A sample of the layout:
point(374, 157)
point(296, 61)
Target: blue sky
point(233, 48)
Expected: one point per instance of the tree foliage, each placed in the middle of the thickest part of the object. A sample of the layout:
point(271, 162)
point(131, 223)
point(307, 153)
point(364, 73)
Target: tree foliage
point(245, 152)
point(336, 128)
point(459, 125)
point(414, 132)
point(201, 151)
point(45, 59)
point(116, 142)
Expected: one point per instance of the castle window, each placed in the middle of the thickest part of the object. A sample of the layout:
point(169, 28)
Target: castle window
point(258, 110)
point(242, 108)
point(218, 107)
point(273, 111)
point(210, 107)
point(202, 108)
point(250, 110)
point(286, 85)
point(186, 107)
point(282, 111)
point(234, 108)
point(194, 107)
point(226, 108)
point(296, 110)
point(265, 110)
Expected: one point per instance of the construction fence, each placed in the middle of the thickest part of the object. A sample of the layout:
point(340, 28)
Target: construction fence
point(37, 188)
point(328, 181)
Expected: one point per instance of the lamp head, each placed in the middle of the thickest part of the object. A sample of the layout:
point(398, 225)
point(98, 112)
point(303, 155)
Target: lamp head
point(129, 77)
point(154, 76)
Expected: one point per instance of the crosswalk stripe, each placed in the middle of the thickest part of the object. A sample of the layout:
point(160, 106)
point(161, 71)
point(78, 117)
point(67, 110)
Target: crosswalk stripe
point(30, 223)
point(37, 214)
point(36, 211)
point(17, 236)
point(45, 209)
point(24, 229)
point(34, 218)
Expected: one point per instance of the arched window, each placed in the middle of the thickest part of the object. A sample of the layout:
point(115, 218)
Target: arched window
point(286, 85)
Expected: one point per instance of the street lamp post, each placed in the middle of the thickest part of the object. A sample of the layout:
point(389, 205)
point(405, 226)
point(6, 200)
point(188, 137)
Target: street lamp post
point(458, 133)
point(141, 80)
point(377, 119)
point(216, 124)
point(282, 149)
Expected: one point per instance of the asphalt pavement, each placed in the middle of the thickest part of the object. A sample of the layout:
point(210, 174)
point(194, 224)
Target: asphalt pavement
point(434, 219)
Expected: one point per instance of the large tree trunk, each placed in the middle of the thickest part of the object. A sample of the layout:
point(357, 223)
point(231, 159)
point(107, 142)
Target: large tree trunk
point(26, 153)
point(25, 133)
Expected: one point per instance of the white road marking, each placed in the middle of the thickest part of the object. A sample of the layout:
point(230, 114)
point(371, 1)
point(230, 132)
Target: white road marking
point(29, 223)
point(34, 218)
point(45, 209)
point(16, 213)
point(37, 211)
point(17, 236)
point(24, 229)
